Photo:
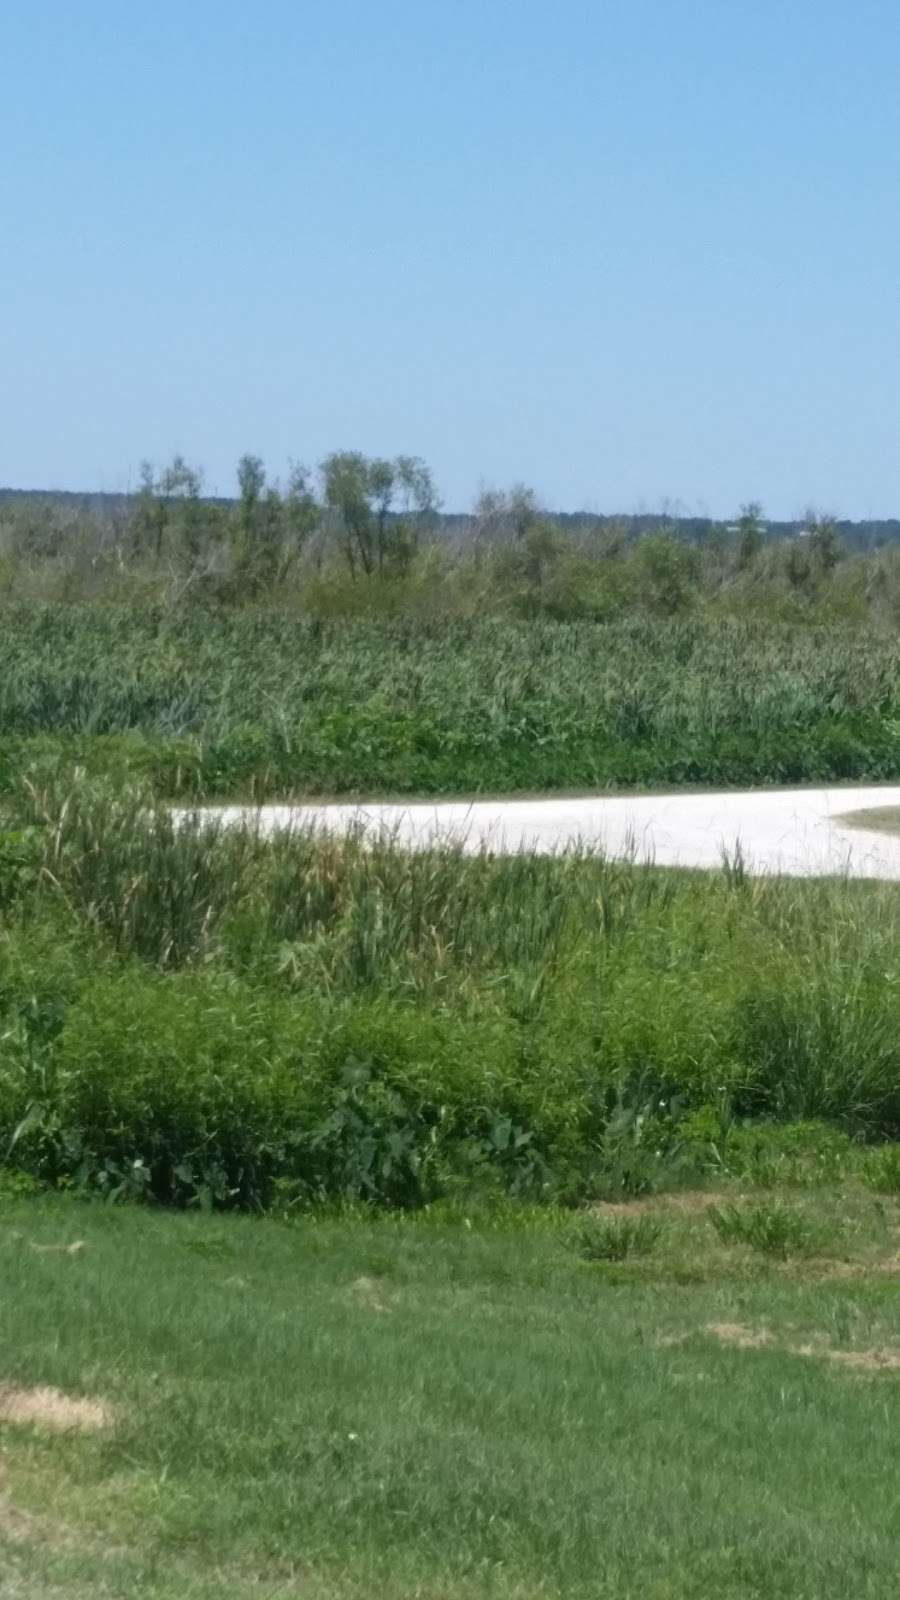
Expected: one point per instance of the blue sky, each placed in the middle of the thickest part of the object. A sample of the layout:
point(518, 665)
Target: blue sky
point(628, 251)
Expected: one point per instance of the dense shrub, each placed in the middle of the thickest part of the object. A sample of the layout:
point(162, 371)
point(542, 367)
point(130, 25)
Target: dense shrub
point(204, 1015)
point(195, 1086)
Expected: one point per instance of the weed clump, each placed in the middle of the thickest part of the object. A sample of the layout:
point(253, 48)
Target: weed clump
point(605, 1238)
point(772, 1228)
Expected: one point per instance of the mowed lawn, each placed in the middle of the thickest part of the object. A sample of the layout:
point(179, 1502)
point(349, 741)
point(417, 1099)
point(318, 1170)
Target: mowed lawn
point(448, 1408)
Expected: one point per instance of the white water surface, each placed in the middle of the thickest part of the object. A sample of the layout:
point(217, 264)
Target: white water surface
point(789, 831)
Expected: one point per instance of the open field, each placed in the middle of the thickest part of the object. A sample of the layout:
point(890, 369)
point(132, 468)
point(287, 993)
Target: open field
point(435, 1408)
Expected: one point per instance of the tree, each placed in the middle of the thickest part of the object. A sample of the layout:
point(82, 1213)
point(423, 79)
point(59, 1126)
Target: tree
point(302, 515)
point(360, 493)
point(750, 533)
point(271, 528)
point(169, 511)
point(797, 564)
point(523, 510)
point(667, 572)
point(382, 481)
point(150, 516)
point(251, 476)
point(825, 546)
point(346, 487)
point(507, 513)
point(415, 487)
point(489, 513)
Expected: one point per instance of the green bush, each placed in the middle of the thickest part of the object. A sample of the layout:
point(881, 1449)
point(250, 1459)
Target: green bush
point(599, 1238)
point(818, 1047)
point(21, 851)
point(180, 1085)
point(792, 1154)
point(774, 1229)
point(198, 1088)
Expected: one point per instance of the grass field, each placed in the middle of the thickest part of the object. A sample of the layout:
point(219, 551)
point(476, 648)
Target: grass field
point(441, 1408)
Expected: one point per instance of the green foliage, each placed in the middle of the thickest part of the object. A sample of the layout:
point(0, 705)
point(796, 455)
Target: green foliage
point(782, 1155)
point(360, 495)
point(206, 1015)
point(750, 533)
point(370, 543)
point(881, 1170)
point(819, 1049)
point(213, 702)
point(443, 1023)
point(16, 1185)
point(269, 533)
point(666, 570)
point(21, 851)
point(605, 1238)
point(773, 1228)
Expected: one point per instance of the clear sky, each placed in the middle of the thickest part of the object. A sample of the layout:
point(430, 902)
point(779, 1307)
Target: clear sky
point(627, 251)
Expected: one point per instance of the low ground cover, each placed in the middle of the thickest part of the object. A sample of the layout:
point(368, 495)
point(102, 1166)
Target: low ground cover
point(456, 1405)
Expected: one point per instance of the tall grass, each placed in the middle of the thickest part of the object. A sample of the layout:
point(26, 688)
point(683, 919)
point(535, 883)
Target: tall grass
point(263, 703)
point(197, 1011)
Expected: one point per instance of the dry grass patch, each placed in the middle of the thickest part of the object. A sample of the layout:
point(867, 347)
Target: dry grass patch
point(366, 1293)
point(49, 1408)
point(884, 1360)
point(693, 1202)
point(739, 1335)
point(742, 1337)
point(681, 1202)
point(73, 1249)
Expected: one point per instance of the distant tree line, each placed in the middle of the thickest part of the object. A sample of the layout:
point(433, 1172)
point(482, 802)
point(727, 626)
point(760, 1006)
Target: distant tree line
point(363, 533)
